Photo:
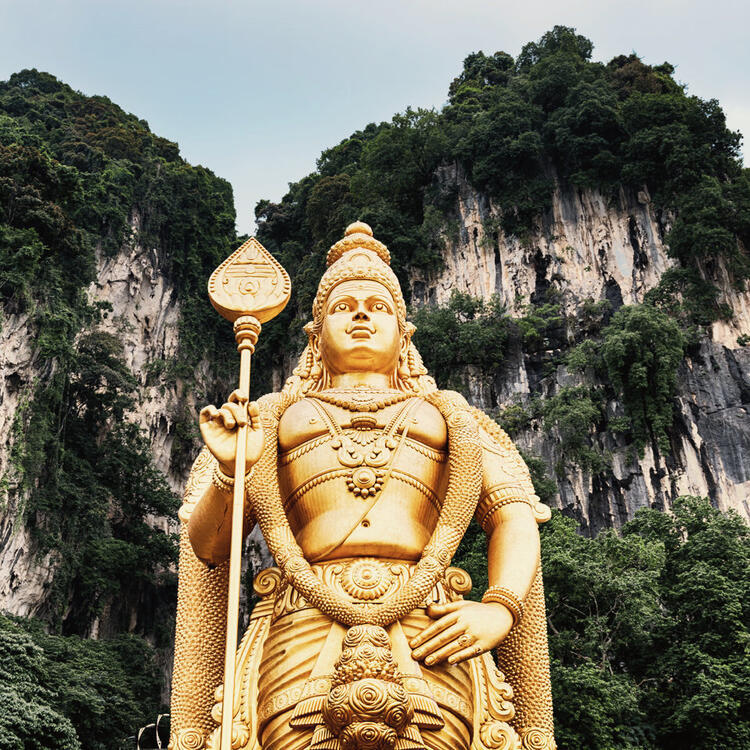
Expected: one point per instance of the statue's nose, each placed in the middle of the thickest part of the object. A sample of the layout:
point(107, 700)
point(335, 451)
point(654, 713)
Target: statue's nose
point(361, 315)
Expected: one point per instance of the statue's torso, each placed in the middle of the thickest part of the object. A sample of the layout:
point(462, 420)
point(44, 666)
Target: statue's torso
point(334, 464)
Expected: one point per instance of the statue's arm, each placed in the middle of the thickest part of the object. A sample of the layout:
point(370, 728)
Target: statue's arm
point(210, 525)
point(506, 512)
point(513, 549)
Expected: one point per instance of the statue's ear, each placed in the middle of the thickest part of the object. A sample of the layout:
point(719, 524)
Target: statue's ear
point(312, 338)
point(409, 329)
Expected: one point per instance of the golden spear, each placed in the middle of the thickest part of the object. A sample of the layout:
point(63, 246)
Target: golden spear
point(249, 288)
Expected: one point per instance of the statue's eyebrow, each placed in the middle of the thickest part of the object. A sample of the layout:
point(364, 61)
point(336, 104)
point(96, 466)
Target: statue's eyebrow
point(334, 300)
point(378, 297)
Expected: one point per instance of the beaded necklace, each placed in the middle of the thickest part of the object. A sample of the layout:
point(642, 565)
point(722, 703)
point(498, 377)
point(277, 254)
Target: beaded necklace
point(361, 399)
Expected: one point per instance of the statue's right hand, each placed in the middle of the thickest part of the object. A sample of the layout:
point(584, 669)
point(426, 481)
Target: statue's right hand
point(219, 431)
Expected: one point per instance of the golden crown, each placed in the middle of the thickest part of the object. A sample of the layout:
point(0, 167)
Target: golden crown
point(358, 235)
point(358, 255)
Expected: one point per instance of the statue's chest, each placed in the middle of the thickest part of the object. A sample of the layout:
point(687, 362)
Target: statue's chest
point(355, 456)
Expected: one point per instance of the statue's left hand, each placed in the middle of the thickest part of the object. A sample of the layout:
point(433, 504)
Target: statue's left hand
point(462, 630)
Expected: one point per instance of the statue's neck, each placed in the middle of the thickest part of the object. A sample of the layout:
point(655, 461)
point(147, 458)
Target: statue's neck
point(360, 379)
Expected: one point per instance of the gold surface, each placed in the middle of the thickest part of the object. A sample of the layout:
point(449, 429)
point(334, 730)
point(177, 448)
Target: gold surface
point(364, 479)
point(249, 273)
point(248, 288)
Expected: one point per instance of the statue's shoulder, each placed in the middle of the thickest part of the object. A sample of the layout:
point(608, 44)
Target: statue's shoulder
point(272, 405)
point(493, 436)
point(448, 398)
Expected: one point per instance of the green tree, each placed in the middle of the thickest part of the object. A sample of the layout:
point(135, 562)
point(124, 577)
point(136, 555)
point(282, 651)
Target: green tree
point(574, 411)
point(603, 602)
point(70, 693)
point(696, 677)
point(641, 349)
point(465, 332)
point(649, 630)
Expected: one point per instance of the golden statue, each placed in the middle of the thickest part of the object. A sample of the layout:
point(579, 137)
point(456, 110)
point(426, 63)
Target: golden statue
point(363, 478)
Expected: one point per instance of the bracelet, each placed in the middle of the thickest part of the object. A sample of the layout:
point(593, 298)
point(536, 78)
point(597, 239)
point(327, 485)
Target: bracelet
point(507, 597)
point(221, 481)
point(486, 516)
point(225, 483)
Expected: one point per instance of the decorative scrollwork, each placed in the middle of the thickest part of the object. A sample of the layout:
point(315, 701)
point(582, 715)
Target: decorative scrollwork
point(267, 583)
point(458, 581)
point(367, 706)
point(187, 739)
point(535, 738)
point(497, 735)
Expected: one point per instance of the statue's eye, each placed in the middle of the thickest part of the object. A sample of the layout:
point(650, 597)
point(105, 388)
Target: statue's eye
point(380, 307)
point(341, 307)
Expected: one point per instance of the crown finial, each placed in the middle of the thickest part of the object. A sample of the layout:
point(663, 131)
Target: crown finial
point(358, 227)
point(357, 235)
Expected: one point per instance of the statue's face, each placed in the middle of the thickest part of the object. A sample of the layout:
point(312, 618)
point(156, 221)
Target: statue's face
point(360, 330)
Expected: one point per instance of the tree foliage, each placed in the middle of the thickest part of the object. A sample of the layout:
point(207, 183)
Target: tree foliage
point(574, 411)
point(69, 693)
point(641, 349)
point(648, 628)
point(465, 332)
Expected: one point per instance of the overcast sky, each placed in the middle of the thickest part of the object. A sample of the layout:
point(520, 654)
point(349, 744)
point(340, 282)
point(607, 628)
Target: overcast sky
point(254, 91)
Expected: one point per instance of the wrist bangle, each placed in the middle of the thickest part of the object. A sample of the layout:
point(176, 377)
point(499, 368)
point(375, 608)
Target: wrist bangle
point(221, 481)
point(507, 597)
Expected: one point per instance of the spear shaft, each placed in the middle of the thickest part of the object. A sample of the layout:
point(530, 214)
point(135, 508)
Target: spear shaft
point(246, 330)
point(249, 288)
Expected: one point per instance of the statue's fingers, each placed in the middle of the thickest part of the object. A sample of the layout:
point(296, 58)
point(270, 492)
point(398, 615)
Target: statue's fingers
point(456, 645)
point(434, 629)
point(227, 418)
point(438, 642)
point(237, 411)
point(438, 610)
point(207, 413)
point(238, 396)
point(253, 414)
point(465, 654)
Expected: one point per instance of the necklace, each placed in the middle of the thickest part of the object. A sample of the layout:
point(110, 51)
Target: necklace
point(361, 399)
point(365, 454)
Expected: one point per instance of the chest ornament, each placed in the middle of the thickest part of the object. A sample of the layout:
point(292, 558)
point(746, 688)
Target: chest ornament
point(366, 450)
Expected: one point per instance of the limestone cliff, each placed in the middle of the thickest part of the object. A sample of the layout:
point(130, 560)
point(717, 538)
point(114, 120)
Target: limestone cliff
point(588, 248)
point(23, 576)
point(144, 316)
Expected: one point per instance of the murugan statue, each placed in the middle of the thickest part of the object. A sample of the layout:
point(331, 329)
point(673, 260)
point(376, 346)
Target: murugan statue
point(363, 478)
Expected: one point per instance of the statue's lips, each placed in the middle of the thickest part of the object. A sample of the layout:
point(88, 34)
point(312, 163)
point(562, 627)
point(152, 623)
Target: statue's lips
point(361, 333)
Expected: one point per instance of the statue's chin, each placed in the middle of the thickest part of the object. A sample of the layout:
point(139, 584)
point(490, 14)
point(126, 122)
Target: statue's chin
point(361, 359)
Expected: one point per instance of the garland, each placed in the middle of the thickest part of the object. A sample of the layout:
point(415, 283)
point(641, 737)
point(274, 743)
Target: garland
point(462, 496)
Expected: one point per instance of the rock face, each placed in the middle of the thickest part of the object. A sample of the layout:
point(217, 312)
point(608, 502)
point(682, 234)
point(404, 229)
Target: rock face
point(589, 249)
point(145, 318)
point(23, 578)
point(586, 248)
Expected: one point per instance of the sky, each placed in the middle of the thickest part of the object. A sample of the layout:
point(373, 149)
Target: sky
point(256, 90)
